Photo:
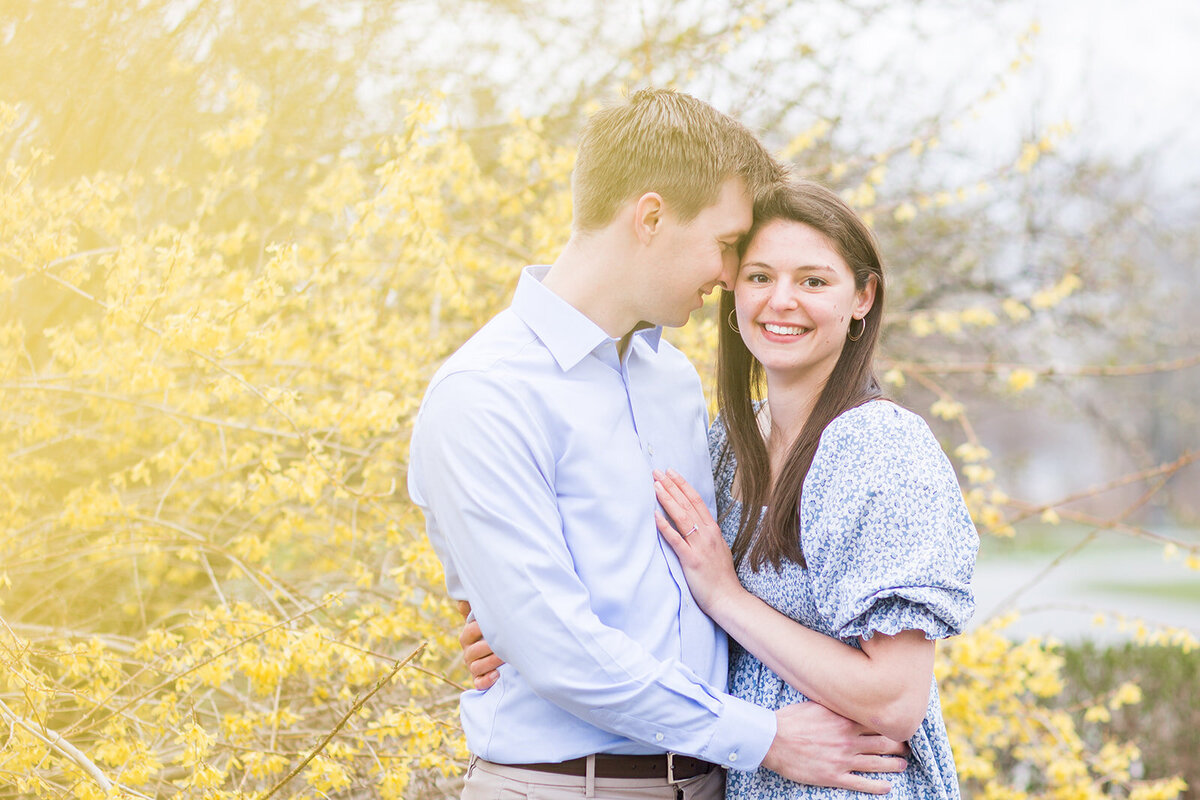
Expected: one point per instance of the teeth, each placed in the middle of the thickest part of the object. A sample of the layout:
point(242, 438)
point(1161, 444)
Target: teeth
point(784, 329)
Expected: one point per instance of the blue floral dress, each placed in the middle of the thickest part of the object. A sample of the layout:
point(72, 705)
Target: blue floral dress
point(890, 547)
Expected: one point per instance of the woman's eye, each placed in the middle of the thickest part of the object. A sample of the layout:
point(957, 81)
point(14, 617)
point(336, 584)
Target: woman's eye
point(813, 283)
point(756, 277)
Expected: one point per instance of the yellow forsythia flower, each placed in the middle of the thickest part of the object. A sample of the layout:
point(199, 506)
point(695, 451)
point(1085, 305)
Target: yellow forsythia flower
point(947, 409)
point(1021, 379)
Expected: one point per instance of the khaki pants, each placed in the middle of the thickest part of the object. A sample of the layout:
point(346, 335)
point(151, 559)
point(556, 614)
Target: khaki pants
point(488, 781)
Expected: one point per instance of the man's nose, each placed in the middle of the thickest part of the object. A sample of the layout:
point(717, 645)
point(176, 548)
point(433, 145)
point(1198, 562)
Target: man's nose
point(729, 270)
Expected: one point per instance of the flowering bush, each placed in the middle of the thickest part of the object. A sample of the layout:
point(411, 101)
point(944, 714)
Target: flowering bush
point(208, 562)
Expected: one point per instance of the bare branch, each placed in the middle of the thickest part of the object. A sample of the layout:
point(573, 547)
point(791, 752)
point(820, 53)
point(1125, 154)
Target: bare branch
point(359, 703)
point(993, 368)
point(55, 741)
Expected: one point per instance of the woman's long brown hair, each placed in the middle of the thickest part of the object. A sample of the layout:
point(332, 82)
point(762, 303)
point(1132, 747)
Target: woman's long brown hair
point(740, 380)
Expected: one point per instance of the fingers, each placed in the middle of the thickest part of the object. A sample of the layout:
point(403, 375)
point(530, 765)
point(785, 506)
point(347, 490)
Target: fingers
point(670, 482)
point(482, 666)
point(672, 504)
point(485, 682)
point(475, 652)
point(875, 744)
point(670, 534)
point(693, 497)
point(860, 784)
point(865, 763)
point(471, 633)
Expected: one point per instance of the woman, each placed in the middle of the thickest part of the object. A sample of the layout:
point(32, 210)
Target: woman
point(842, 602)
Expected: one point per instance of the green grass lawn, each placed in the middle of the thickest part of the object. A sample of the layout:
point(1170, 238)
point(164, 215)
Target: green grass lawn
point(1184, 590)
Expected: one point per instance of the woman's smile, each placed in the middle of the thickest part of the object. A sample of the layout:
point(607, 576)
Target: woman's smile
point(785, 334)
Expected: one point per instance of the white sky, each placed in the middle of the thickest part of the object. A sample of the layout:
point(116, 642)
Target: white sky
point(1125, 75)
point(1128, 72)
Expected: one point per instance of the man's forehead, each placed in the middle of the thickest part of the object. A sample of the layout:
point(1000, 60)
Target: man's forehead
point(735, 207)
point(736, 229)
point(739, 223)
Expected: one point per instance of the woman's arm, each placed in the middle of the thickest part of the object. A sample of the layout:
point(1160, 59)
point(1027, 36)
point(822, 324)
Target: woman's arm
point(884, 686)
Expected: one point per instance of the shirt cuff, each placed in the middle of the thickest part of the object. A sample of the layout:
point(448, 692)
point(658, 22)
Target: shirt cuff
point(743, 736)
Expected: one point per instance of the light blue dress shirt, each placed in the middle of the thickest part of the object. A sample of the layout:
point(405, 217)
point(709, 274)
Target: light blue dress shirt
point(531, 459)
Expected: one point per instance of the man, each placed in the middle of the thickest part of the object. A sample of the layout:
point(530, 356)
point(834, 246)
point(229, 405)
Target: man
point(532, 457)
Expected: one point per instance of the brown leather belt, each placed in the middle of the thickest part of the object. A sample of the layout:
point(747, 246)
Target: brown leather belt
point(670, 766)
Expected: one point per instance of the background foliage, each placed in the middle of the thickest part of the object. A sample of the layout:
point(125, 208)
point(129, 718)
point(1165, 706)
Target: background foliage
point(235, 241)
point(1166, 723)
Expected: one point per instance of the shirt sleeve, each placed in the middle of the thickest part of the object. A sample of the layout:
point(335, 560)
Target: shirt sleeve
point(889, 543)
point(482, 470)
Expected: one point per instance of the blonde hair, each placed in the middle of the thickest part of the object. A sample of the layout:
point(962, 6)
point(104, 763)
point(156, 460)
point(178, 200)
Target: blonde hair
point(667, 142)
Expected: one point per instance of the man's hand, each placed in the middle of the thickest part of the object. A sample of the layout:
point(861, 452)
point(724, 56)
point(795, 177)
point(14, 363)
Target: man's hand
point(477, 653)
point(814, 745)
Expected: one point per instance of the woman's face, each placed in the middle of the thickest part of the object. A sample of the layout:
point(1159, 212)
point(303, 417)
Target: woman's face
point(795, 297)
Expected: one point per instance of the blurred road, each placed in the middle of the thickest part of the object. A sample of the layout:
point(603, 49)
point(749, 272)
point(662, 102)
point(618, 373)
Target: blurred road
point(1129, 578)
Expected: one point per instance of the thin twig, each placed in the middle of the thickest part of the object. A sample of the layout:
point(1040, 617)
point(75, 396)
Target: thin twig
point(172, 412)
point(1012, 597)
point(55, 741)
point(1166, 469)
point(1122, 616)
point(359, 703)
point(962, 420)
point(196, 666)
point(1075, 548)
point(1086, 370)
point(305, 438)
point(417, 667)
point(1117, 526)
point(101, 251)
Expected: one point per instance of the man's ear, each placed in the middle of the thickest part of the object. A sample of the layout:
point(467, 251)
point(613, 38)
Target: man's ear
point(648, 215)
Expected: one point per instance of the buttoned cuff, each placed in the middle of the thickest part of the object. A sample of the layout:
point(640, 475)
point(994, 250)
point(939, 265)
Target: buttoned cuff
point(743, 736)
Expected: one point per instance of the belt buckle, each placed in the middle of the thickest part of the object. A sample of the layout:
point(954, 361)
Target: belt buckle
point(671, 770)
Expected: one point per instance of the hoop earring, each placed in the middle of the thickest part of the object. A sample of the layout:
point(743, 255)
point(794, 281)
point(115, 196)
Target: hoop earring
point(733, 324)
point(861, 329)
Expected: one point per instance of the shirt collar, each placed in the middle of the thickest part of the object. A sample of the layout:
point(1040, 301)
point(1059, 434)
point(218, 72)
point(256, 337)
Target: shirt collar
point(567, 333)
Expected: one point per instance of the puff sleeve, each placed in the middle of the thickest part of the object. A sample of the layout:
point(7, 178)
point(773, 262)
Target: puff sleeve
point(887, 537)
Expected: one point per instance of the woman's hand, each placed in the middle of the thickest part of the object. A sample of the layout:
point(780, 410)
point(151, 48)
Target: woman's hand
point(477, 653)
point(696, 539)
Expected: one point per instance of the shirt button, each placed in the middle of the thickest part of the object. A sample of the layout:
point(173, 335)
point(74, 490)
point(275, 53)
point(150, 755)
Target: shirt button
point(650, 449)
point(733, 756)
point(658, 737)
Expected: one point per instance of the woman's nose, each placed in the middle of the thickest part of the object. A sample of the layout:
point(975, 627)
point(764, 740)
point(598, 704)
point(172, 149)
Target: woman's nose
point(784, 295)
